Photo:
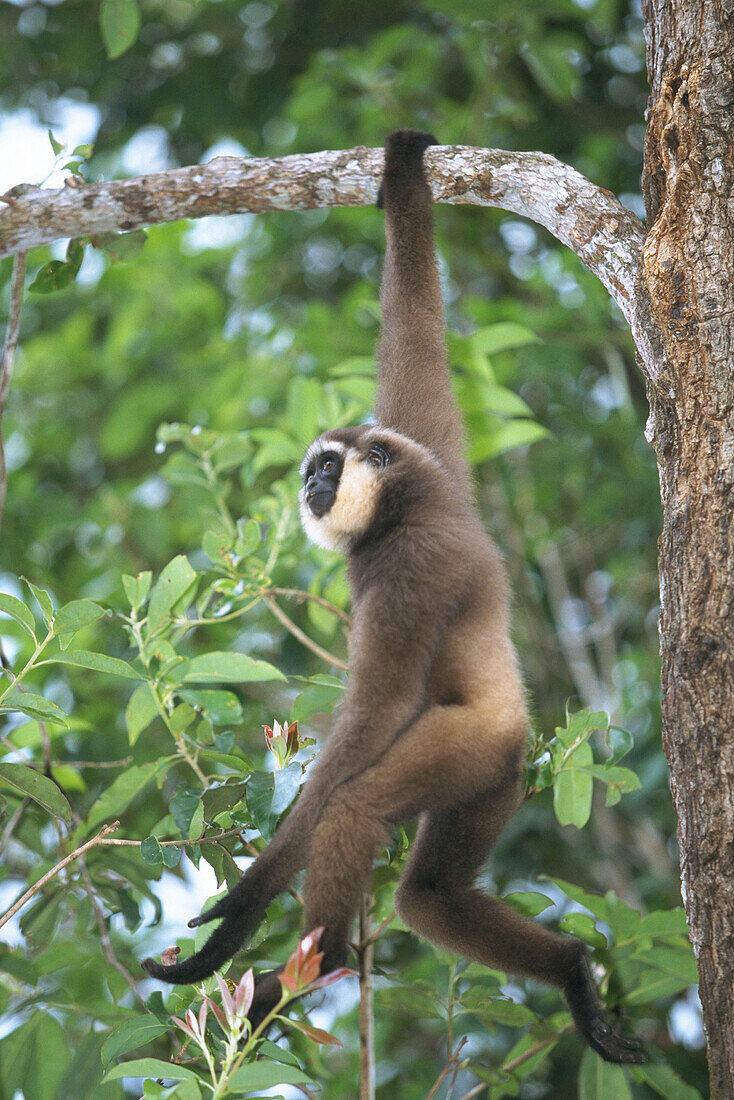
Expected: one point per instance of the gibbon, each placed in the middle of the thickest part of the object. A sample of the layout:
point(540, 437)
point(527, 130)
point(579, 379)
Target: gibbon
point(433, 724)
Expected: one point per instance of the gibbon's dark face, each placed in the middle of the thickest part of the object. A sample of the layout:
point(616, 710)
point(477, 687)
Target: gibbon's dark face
point(342, 483)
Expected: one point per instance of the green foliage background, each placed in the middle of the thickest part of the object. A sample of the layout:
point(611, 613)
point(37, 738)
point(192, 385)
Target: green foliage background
point(257, 333)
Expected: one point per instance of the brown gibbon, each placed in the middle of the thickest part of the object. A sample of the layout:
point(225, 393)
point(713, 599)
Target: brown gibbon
point(433, 724)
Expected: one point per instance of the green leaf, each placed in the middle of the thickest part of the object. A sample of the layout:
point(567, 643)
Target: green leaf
point(212, 668)
point(287, 782)
point(121, 792)
point(248, 537)
point(217, 544)
point(98, 662)
point(181, 718)
point(38, 787)
point(130, 1035)
point(596, 904)
point(655, 984)
point(57, 274)
point(34, 1059)
point(44, 600)
point(503, 336)
point(530, 903)
point(35, 706)
point(17, 610)
point(581, 725)
point(501, 401)
point(150, 1067)
point(664, 922)
point(316, 698)
point(584, 926)
point(75, 615)
point(57, 146)
point(230, 451)
point(619, 742)
point(265, 1075)
point(600, 1080)
point(498, 1010)
point(176, 579)
point(151, 851)
point(196, 827)
point(141, 709)
point(121, 246)
point(665, 1082)
point(119, 22)
point(274, 449)
point(671, 959)
point(171, 855)
point(259, 798)
point(223, 708)
point(85, 151)
point(137, 588)
point(183, 805)
point(504, 436)
point(573, 788)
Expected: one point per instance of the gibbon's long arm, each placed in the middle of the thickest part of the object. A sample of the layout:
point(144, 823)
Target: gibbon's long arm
point(414, 392)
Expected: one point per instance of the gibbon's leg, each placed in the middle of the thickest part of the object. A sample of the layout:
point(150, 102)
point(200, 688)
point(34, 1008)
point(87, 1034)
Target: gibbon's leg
point(338, 872)
point(438, 900)
point(379, 707)
point(419, 770)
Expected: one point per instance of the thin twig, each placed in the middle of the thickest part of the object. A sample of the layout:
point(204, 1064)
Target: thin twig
point(90, 763)
point(103, 840)
point(475, 1091)
point(366, 954)
point(104, 936)
point(8, 359)
point(452, 1065)
point(100, 838)
point(508, 1067)
point(375, 935)
point(300, 595)
point(298, 633)
point(15, 818)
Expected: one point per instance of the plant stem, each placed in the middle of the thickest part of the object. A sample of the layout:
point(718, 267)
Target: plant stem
point(98, 839)
point(366, 953)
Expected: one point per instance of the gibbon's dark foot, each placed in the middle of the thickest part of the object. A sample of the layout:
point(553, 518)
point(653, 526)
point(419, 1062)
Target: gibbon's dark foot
point(404, 148)
point(591, 1018)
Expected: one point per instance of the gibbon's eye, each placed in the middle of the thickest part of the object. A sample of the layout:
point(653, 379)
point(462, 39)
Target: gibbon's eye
point(378, 457)
point(329, 466)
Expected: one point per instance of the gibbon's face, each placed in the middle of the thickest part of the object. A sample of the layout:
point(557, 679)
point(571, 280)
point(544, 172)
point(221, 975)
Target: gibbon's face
point(342, 483)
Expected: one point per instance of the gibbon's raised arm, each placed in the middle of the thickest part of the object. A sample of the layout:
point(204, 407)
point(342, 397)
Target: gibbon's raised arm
point(414, 392)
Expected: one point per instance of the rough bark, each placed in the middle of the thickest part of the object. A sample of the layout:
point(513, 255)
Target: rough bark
point(687, 278)
point(587, 218)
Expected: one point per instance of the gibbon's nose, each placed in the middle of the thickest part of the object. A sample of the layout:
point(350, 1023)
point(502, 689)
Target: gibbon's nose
point(320, 496)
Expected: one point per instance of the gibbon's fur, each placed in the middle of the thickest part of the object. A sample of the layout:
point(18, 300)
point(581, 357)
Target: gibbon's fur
point(433, 723)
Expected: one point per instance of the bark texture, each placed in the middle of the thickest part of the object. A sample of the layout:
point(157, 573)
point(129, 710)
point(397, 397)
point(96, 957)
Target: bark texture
point(687, 284)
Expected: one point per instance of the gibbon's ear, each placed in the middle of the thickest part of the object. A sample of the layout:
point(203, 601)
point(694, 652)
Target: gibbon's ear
point(404, 147)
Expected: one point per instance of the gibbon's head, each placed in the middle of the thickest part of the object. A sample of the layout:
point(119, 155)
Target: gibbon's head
point(362, 481)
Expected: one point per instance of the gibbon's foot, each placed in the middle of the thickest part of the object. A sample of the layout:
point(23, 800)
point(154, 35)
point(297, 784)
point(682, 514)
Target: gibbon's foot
point(591, 1019)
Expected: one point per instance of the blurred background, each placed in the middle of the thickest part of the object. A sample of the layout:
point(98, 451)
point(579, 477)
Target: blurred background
point(221, 323)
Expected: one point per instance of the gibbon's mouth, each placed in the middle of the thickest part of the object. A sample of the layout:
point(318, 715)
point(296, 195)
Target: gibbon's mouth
point(320, 501)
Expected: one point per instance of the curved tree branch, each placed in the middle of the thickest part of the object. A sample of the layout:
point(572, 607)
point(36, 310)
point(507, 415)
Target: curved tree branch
point(585, 217)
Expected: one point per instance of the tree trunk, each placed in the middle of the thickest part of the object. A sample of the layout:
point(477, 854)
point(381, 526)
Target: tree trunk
point(687, 279)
